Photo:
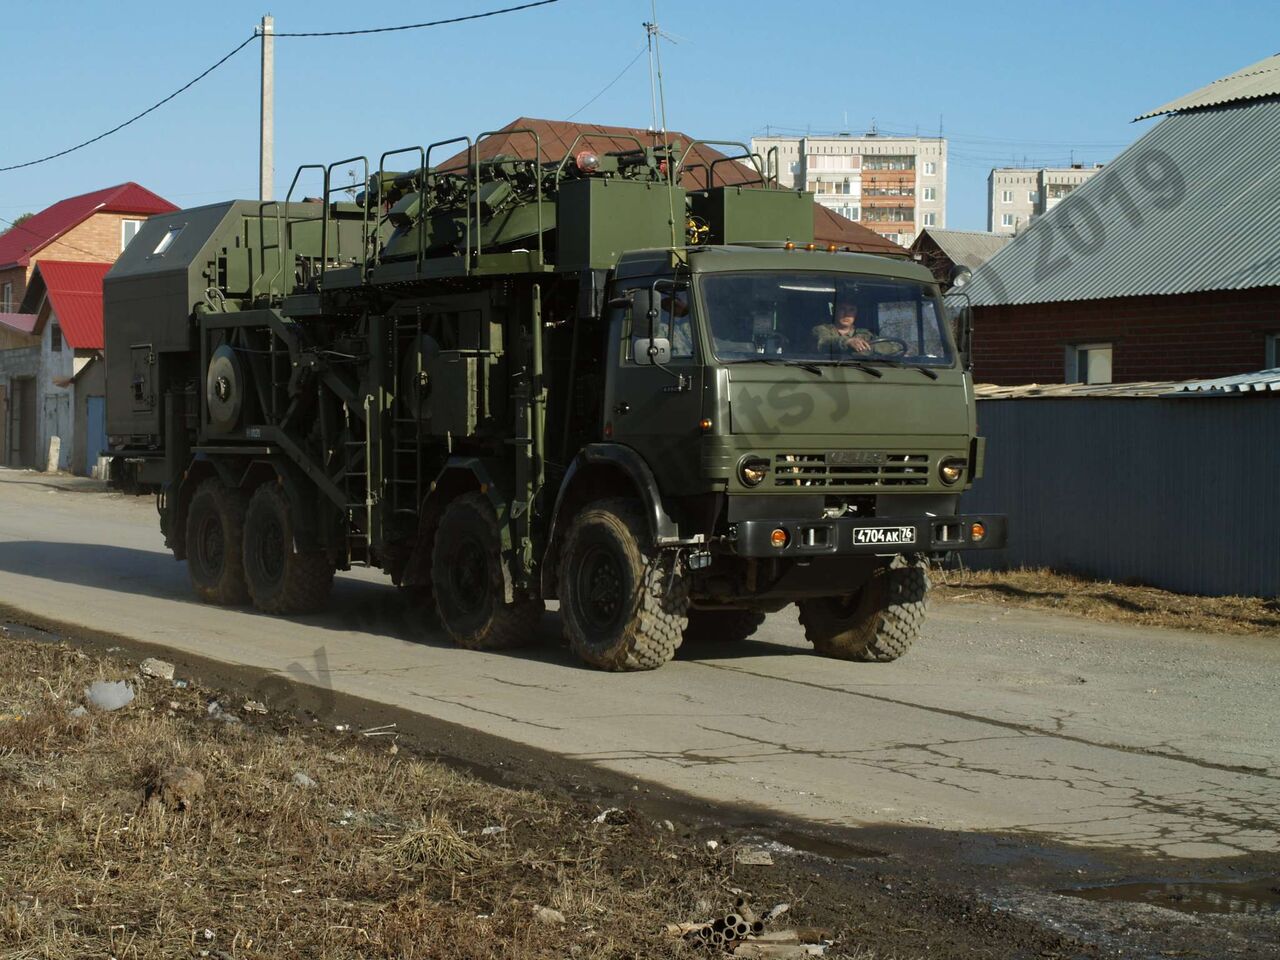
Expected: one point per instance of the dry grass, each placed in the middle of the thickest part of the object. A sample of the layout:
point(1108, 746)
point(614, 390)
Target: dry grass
point(1102, 600)
point(385, 856)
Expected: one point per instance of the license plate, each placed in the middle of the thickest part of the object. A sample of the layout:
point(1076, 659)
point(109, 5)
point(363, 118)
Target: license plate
point(884, 535)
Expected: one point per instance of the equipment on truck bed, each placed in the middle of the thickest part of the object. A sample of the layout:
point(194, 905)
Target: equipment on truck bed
point(523, 378)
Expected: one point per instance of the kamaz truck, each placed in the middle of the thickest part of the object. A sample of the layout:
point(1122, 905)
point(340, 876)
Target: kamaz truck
point(508, 380)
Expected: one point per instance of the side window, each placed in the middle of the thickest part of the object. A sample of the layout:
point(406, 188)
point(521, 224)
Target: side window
point(672, 323)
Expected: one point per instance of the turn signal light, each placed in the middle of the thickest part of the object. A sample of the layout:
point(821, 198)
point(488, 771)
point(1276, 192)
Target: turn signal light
point(779, 538)
point(705, 424)
point(977, 531)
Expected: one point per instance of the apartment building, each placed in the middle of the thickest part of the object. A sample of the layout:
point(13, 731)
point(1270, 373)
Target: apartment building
point(1017, 194)
point(896, 186)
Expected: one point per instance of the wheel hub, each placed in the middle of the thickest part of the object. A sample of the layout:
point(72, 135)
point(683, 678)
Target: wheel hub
point(600, 586)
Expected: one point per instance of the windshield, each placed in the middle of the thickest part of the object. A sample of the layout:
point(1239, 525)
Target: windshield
point(824, 317)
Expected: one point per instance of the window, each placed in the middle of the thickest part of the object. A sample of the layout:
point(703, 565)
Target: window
point(167, 240)
point(1032, 196)
point(930, 168)
point(929, 219)
point(55, 338)
point(6, 299)
point(680, 336)
point(1089, 363)
point(128, 230)
point(1273, 351)
point(928, 193)
point(1006, 219)
point(1006, 196)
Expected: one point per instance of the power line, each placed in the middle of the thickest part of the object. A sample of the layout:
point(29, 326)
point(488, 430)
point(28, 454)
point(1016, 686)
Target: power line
point(248, 40)
point(186, 86)
point(607, 85)
point(415, 26)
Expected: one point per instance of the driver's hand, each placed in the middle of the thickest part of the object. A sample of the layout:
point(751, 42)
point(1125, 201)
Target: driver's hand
point(860, 344)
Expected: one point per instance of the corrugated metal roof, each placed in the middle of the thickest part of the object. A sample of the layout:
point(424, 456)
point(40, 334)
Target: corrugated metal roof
point(1261, 79)
point(75, 296)
point(1263, 381)
point(19, 322)
point(1193, 205)
point(556, 137)
point(972, 248)
point(17, 244)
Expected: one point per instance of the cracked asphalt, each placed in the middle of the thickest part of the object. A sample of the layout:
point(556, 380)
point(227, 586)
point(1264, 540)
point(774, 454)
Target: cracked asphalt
point(1000, 720)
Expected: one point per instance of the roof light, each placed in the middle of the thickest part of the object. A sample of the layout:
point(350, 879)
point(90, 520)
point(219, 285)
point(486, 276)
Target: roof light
point(587, 161)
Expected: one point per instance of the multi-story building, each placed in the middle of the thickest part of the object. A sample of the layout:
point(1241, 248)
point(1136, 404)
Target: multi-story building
point(895, 186)
point(1017, 194)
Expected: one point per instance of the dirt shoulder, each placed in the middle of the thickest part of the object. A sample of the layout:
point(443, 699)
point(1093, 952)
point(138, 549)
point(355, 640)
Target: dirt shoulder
point(191, 823)
point(1112, 602)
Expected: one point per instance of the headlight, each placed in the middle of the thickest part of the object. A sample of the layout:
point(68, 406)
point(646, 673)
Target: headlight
point(951, 471)
point(753, 470)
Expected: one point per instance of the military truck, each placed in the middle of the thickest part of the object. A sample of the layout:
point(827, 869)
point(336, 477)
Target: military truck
point(507, 380)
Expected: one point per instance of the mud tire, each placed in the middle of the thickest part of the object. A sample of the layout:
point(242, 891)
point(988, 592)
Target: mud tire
point(614, 599)
point(877, 624)
point(215, 532)
point(467, 584)
point(281, 580)
point(722, 626)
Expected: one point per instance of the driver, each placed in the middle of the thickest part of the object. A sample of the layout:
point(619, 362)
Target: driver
point(843, 333)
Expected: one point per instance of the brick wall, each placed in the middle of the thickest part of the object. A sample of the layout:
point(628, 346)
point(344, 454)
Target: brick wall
point(1184, 337)
point(18, 277)
point(96, 240)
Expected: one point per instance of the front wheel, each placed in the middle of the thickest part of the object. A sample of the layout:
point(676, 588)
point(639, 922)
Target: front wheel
point(621, 609)
point(467, 582)
point(281, 579)
point(878, 623)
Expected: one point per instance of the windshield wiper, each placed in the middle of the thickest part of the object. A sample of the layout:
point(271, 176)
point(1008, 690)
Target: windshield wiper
point(861, 365)
point(892, 362)
point(802, 364)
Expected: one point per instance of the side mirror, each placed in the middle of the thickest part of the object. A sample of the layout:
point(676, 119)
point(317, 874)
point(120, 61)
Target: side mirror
point(964, 335)
point(651, 350)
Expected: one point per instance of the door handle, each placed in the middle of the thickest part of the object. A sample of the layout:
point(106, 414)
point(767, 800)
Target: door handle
point(622, 408)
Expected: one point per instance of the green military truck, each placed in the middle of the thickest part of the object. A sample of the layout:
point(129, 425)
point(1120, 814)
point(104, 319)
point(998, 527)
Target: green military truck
point(516, 380)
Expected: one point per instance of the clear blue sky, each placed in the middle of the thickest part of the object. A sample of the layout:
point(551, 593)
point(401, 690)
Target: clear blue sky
point(1009, 80)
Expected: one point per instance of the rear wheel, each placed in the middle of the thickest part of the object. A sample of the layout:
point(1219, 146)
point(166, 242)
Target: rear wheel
point(621, 609)
point(722, 626)
point(878, 623)
point(281, 580)
point(466, 579)
point(215, 531)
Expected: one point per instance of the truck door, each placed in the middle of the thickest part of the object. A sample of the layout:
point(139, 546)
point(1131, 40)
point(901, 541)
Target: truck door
point(656, 408)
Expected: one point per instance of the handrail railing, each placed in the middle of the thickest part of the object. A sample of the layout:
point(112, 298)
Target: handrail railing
point(681, 166)
point(537, 142)
point(583, 136)
point(429, 172)
point(382, 187)
point(324, 227)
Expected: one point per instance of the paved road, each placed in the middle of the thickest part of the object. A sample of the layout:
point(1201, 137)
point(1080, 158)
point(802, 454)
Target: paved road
point(999, 720)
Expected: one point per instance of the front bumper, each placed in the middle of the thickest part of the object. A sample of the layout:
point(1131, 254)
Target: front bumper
point(866, 536)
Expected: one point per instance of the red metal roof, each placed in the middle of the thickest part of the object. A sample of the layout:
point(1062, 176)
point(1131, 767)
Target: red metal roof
point(557, 136)
point(75, 296)
point(18, 243)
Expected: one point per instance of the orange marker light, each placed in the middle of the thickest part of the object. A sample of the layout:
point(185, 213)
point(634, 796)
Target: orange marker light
point(811, 246)
point(832, 248)
point(977, 530)
point(705, 424)
point(789, 245)
point(608, 429)
point(779, 538)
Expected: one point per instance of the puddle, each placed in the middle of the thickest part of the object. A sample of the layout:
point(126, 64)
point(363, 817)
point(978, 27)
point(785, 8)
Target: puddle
point(1241, 897)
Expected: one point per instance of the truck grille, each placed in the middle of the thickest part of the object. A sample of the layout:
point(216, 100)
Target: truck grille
point(857, 470)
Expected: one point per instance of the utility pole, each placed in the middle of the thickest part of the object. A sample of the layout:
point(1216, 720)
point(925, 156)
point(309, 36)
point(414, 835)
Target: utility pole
point(266, 143)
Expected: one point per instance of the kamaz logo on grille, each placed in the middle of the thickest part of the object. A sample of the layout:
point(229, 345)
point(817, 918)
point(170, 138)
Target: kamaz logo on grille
point(855, 458)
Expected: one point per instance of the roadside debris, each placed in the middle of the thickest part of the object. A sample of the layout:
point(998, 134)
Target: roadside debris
point(754, 857)
point(109, 694)
point(300, 779)
point(157, 669)
point(177, 788)
point(743, 934)
point(253, 706)
point(548, 915)
point(612, 816)
point(216, 712)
